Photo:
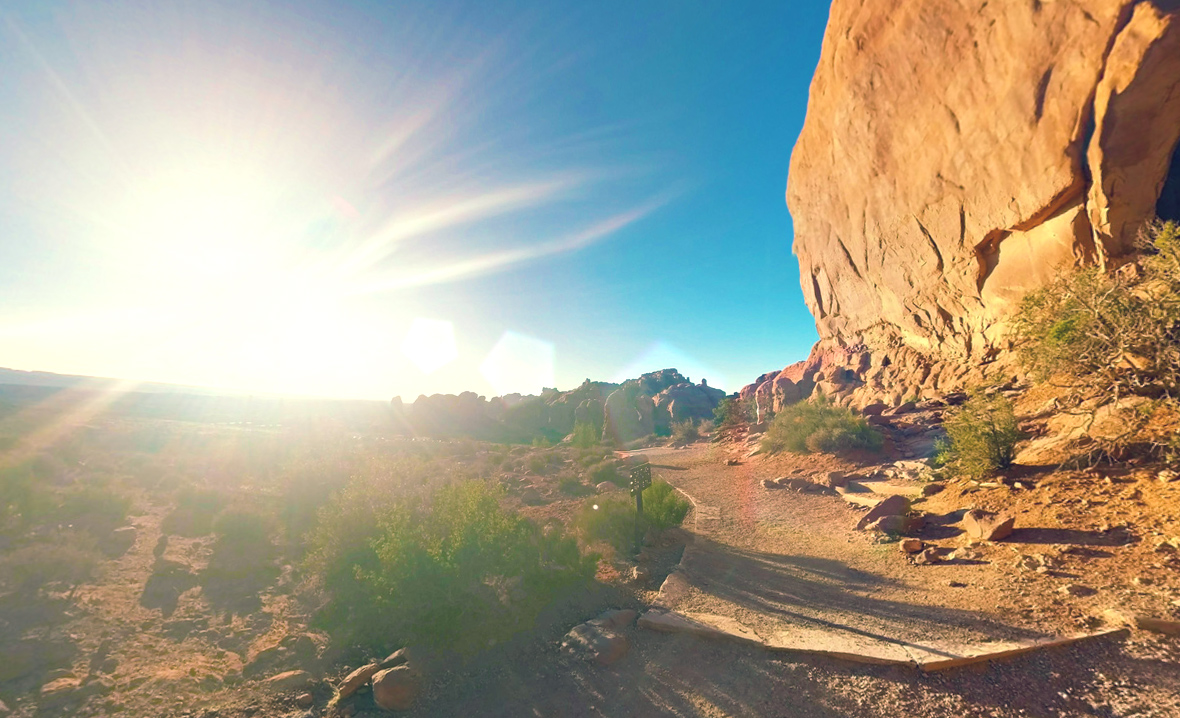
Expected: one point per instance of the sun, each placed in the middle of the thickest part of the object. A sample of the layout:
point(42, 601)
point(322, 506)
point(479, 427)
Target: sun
point(200, 221)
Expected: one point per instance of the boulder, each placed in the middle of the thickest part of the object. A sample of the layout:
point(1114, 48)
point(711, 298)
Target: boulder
point(890, 506)
point(834, 479)
point(874, 409)
point(983, 525)
point(396, 689)
point(911, 545)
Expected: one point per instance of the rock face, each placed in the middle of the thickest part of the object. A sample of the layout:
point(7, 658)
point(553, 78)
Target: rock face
point(956, 155)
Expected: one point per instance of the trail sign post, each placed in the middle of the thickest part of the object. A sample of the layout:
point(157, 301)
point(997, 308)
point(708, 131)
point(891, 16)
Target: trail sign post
point(640, 480)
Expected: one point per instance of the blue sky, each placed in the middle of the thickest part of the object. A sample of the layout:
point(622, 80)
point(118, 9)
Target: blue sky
point(369, 199)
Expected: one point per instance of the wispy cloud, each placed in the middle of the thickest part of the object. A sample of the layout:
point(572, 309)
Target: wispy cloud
point(499, 261)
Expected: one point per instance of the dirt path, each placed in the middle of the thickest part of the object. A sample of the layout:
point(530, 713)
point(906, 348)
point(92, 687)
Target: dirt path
point(789, 564)
point(780, 561)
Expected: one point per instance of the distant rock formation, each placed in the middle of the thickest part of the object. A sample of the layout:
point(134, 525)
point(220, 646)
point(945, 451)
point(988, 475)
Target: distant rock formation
point(956, 156)
point(618, 412)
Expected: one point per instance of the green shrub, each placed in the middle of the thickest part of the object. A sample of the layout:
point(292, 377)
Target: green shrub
point(537, 463)
point(1109, 334)
point(572, 486)
point(611, 519)
point(605, 471)
point(983, 436)
point(663, 506)
point(685, 432)
point(242, 528)
point(97, 509)
point(194, 512)
point(67, 559)
point(585, 435)
point(453, 570)
point(809, 427)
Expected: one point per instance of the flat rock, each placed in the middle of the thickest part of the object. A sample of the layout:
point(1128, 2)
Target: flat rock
point(890, 506)
point(353, 681)
point(288, 680)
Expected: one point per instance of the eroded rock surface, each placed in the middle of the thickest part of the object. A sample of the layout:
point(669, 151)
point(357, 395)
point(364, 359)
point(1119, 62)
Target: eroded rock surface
point(956, 155)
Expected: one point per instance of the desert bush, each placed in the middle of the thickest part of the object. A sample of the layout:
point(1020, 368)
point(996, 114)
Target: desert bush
point(66, 559)
point(605, 471)
point(611, 519)
point(452, 569)
point(685, 432)
point(809, 427)
point(242, 528)
point(194, 512)
point(95, 508)
point(572, 486)
point(663, 507)
point(730, 413)
point(538, 462)
point(585, 435)
point(1109, 334)
point(982, 436)
point(706, 427)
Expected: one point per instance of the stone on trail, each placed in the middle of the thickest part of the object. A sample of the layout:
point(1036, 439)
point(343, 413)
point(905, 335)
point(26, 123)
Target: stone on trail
point(771, 485)
point(352, 683)
point(892, 506)
point(615, 618)
point(928, 557)
point(834, 479)
point(396, 689)
point(1143, 623)
point(933, 488)
point(1077, 590)
point(288, 680)
point(592, 642)
point(911, 545)
point(987, 526)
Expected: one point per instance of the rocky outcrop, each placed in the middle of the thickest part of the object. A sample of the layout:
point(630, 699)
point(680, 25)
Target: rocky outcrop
point(618, 412)
point(955, 156)
point(687, 402)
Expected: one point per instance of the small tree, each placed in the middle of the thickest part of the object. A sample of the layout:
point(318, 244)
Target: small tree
point(585, 435)
point(685, 432)
point(983, 435)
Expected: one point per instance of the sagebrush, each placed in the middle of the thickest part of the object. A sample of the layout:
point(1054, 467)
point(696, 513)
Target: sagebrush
point(451, 568)
point(611, 519)
point(815, 426)
point(1109, 334)
point(982, 435)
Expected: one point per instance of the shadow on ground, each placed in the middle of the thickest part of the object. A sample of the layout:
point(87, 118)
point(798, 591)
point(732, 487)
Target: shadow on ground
point(818, 593)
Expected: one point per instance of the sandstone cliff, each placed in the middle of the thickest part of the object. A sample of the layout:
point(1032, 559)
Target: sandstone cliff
point(956, 154)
